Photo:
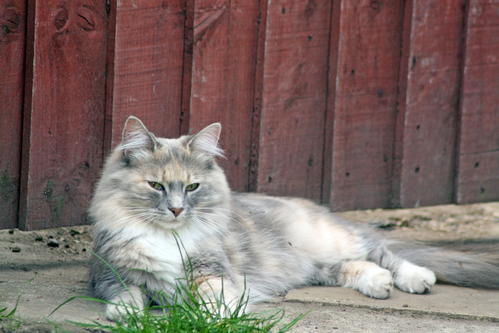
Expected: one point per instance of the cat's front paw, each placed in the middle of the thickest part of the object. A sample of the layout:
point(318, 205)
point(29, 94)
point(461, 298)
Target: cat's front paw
point(125, 304)
point(414, 279)
point(118, 312)
point(376, 282)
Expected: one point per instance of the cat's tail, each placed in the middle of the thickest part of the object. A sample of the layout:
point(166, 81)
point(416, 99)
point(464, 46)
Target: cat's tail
point(478, 267)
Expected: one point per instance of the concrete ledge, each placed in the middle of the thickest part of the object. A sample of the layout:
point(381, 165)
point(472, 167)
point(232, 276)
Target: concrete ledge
point(443, 300)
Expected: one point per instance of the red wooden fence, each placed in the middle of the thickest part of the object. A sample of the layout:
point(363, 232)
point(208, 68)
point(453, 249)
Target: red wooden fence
point(355, 103)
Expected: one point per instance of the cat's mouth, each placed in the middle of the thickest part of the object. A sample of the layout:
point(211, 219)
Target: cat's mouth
point(169, 219)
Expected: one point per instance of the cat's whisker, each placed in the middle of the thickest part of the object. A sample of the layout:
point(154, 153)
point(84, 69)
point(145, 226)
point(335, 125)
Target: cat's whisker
point(212, 225)
point(227, 216)
point(221, 209)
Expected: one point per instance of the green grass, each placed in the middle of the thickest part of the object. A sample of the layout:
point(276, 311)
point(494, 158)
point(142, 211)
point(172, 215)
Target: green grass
point(191, 314)
point(184, 312)
point(7, 321)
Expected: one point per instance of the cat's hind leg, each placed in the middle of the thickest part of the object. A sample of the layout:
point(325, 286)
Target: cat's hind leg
point(414, 279)
point(407, 276)
point(366, 277)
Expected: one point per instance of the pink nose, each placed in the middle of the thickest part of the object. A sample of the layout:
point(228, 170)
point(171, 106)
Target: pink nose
point(176, 211)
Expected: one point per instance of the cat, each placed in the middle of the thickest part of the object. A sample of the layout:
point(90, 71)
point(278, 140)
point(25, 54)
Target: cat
point(155, 192)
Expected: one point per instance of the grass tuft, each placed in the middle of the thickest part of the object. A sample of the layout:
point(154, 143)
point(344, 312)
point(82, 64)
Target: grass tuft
point(183, 311)
point(189, 314)
point(7, 321)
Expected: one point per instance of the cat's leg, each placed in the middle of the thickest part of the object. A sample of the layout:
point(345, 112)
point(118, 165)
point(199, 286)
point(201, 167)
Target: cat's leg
point(125, 302)
point(105, 284)
point(219, 295)
point(407, 276)
point(366, 277)
point(414, 279)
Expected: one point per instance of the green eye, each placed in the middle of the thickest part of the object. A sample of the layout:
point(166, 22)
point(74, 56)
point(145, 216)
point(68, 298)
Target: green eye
point(156, 186)
point(192, 187)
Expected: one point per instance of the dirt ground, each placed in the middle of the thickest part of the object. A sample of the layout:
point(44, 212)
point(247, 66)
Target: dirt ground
point(50, 245)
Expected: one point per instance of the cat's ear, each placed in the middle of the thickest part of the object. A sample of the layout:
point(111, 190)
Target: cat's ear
point(136, 136)
point(206, 141)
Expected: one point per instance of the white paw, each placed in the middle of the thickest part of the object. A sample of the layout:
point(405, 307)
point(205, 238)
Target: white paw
point(119, 312)
point(125, 304)
point(414, 279)
point(376, 282)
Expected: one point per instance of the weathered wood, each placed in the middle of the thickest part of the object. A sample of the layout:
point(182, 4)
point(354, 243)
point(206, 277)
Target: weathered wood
point(365, 103)
point(431, 103)
point(334, 38)
point(63, 114)
point(258, 97)
point(146, 67)
point(294, 98)
point(187, 67)
point(223, 74)
point(12, 43)
point(478, 165)
point(398, 140)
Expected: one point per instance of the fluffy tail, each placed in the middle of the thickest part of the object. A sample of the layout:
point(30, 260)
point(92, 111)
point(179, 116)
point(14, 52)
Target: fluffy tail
point(473, 268)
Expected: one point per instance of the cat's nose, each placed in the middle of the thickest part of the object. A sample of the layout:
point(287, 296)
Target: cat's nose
point(176, 211)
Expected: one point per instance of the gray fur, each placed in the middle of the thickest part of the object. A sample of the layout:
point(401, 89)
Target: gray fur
point(267, 244)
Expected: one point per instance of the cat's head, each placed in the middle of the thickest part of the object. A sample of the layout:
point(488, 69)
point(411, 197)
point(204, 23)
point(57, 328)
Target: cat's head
point(163, 183)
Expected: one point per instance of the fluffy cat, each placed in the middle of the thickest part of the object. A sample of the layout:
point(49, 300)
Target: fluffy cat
point(153, 189)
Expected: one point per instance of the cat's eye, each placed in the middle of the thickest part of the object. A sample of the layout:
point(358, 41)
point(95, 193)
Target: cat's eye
point(156, 186)
point(191, 187)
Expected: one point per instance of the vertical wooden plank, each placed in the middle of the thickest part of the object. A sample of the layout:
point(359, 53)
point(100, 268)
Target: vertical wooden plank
point(12, 42)
point(146, 66)
point(478, 161)
point(365, 103)
point(187, 67)
point(258, 98)
point(63, 115)
point(223, 74)
point(294, 98)
point(427, 174)
point(398, 144)
point(334, 38)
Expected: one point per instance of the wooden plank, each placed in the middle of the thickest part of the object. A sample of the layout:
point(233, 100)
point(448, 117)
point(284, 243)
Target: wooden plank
point(257, 98)
point(223, 74)
point(431, 103)
point(12, 41)
point(187, 67)
point(365, 103)
point(478, 161)
point(294, 98)
point(63, 115)
point(327, 167)
point(398, 144)
point(146, 66)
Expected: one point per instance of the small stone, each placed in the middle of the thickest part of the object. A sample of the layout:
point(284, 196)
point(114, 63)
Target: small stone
point(53, 243)
point(66, 246)
point(39, 238)
point(16, 249)
point(73, 232)
point(11, 231)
